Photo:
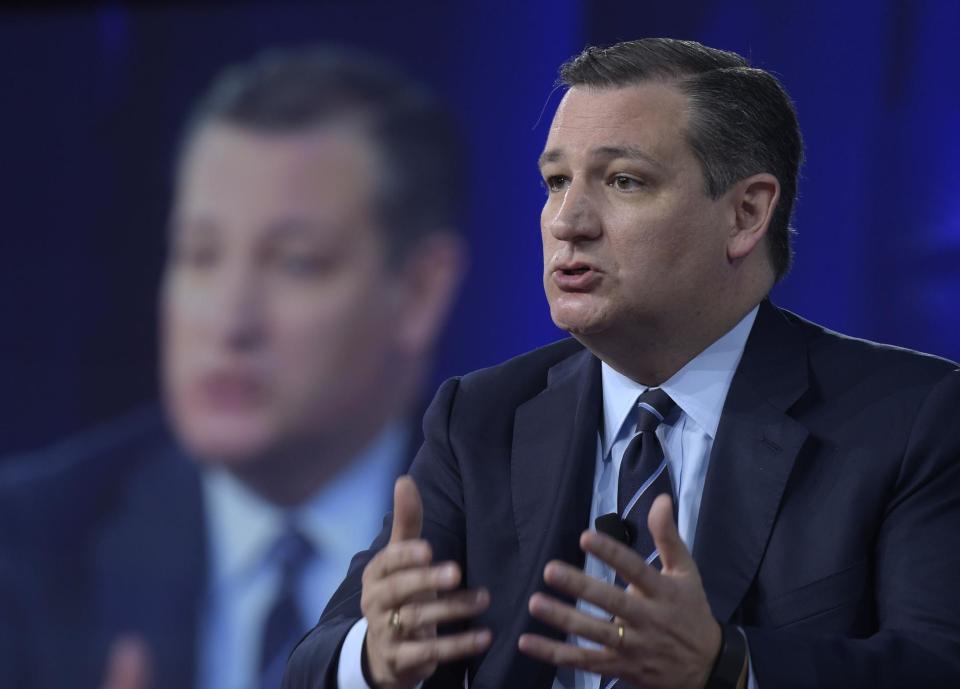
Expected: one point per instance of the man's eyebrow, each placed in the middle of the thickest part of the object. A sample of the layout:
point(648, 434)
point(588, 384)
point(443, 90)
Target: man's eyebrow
point(551, 155)
point(604, 152)
point(630, 152)
point(179, 223)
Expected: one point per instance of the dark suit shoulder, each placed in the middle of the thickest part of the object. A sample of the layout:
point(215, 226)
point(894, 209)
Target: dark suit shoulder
point(484, 402)
point(74, 456)
point(56, 491)
point(843, 361)
point(524, 375)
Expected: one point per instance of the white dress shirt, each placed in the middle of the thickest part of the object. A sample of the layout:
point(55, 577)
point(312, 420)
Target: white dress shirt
point(242, 582)
point(700, 390)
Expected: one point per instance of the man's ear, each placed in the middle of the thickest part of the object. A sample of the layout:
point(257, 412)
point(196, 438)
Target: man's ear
point(755, 199)
point(431, 275)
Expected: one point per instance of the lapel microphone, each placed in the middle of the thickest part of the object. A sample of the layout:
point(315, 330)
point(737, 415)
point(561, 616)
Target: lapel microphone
point(613, 526)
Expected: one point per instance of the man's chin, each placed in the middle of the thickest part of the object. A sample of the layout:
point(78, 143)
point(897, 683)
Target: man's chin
point(578, 318)
point(578, 327)
point(226, 447)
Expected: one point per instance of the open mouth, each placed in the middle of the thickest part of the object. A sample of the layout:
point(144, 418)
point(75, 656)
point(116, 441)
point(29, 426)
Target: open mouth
point(576, 277)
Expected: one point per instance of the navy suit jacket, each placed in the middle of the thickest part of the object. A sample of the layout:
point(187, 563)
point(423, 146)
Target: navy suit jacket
point(102, 535)
point(828, 528)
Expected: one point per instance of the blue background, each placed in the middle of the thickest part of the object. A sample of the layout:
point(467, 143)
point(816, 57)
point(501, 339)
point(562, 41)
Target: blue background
point(93, 97)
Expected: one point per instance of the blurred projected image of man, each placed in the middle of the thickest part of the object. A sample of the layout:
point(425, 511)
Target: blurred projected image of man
point(313, 259)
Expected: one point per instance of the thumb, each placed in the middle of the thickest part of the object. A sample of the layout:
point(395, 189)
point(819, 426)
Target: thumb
point(407, 510)
point(128, 664)
point(673, 553)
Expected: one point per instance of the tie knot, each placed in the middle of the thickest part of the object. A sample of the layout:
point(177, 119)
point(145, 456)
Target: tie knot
point(291, 550)
point(652, 408)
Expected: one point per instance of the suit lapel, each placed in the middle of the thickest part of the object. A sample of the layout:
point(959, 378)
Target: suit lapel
point(752, 457)
point(552, 467)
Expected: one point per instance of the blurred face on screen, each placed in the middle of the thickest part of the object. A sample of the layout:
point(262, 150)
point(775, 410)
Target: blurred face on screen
point(279, 313)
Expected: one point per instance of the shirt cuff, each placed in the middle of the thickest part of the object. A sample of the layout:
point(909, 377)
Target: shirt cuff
point(350, 665)
point(751, 678)
point(349, 671)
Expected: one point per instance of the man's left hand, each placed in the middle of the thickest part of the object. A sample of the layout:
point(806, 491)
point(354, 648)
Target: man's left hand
point(669, 637)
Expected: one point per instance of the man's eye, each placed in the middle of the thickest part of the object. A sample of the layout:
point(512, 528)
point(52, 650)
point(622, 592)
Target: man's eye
point(625, 183)
point(555, 183)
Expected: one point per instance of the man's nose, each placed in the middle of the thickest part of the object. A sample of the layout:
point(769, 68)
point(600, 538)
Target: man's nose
point(575, 216)
point(237, 310)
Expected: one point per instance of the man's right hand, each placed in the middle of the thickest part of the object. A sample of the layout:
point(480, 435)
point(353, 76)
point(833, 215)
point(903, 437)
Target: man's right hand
point(405, 597)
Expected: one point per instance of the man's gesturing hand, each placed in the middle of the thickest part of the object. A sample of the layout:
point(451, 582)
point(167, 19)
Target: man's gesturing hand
point(128, 664)
point(405, 598)
point(670, 638)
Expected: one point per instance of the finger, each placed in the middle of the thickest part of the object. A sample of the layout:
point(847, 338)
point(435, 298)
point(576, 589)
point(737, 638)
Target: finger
point(556, 652)
point(407, 510)
point(442, 649)
point(568, 619)
point(458, 605)
point(609, 597)
point(400, 587)
point(673, 553)
point(396, 557)
point(128, 664)
point(626, 561)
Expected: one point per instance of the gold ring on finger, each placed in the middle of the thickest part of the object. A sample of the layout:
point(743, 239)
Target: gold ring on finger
point(620, 634)
point(395, 625)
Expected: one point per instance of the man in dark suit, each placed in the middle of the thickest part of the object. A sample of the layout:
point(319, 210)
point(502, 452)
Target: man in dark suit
point(313, 259)
point(806, 538)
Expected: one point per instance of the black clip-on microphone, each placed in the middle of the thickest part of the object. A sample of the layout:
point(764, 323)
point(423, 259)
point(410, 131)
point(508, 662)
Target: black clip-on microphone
point(613, 526)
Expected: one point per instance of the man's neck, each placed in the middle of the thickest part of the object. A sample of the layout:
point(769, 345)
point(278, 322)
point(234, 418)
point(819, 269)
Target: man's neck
point(653, 352)
point(291, 476)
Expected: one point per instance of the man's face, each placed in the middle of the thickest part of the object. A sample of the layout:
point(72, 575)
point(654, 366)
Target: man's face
point(630, 238)
point(277, 307)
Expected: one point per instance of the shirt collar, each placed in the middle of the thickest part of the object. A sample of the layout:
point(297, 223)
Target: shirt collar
point(242, 526)
point(699, 388)
point(334, 519)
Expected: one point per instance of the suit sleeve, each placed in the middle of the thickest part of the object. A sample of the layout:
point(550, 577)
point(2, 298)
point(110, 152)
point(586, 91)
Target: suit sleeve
point(313, 663)
point(917, 578)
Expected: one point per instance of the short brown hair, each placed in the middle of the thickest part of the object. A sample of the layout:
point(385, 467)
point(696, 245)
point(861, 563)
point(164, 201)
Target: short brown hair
point(742, 120)
point(294, 90)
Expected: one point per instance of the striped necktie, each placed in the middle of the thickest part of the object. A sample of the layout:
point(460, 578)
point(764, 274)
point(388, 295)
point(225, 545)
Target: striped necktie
point(644, 474)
